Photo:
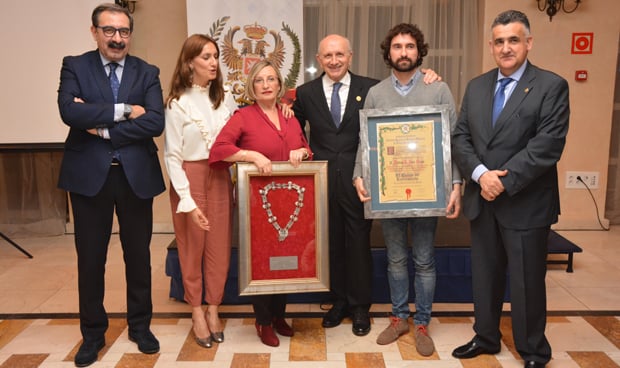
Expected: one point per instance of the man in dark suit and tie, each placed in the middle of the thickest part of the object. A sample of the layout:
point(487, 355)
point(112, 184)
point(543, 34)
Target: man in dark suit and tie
point(509, 137)
point(335, 139)
point(331, 104)
point(113, 104)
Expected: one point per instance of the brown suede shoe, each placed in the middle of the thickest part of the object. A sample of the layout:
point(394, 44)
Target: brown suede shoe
point(423, 342)
point(396, 328)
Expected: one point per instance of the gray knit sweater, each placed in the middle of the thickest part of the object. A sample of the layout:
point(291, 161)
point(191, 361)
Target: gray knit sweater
point(384, 96)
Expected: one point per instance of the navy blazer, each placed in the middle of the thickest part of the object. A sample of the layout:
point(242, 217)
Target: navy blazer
point(87, 157)
point(527, 140)
point(338, 145)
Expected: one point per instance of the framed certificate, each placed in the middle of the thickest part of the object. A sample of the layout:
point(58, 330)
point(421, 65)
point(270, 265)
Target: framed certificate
point(283, 240)
point(406, 161)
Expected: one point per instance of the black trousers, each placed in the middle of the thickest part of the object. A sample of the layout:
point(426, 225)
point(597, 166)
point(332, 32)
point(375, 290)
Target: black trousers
point(268, 307)
point(496, 250)
point(93, 218)
point(349, 247)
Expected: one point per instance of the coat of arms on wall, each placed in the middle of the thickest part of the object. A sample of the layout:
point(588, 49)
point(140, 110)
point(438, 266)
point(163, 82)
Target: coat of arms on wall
point(240, 50)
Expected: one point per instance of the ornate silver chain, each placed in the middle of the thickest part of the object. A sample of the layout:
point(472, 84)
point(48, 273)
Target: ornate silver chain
point(273, 220)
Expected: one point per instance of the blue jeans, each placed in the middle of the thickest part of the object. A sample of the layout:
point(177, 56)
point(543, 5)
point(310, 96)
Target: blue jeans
point(423, 254)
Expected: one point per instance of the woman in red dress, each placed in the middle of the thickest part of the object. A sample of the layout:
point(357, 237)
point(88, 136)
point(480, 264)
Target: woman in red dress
point(260, 134)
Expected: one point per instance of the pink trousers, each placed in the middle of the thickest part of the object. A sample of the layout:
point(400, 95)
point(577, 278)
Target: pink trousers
point(204, 256)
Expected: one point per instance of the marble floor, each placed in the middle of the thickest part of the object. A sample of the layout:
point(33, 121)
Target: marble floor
point(38, 325)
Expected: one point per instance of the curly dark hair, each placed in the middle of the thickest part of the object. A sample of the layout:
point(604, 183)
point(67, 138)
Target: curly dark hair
point(405, 28)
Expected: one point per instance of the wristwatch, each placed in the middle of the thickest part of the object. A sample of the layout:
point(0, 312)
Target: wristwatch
point(127, 111)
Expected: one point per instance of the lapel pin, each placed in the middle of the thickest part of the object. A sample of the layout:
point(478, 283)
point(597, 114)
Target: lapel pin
point(526, 90)
point(358, 98)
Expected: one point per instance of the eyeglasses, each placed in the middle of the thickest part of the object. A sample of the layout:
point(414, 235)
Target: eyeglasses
point(109, 31)
point(269, 80)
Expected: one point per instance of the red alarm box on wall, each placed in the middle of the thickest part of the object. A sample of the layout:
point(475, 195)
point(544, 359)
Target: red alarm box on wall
point(581, 75)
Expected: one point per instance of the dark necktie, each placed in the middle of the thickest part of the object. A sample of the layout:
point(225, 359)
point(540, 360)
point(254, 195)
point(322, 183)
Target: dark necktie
point(500, 96)
point(335, 107)
point(114, 83)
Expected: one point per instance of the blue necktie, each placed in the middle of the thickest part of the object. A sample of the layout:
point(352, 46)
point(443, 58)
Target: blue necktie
point(114, 83)
point(500, 96)
point(335, 106)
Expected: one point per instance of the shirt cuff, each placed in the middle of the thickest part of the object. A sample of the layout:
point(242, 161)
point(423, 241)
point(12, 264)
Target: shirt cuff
point(478, 171)
point(103, 133)
point(186, 205)
point(119, 112)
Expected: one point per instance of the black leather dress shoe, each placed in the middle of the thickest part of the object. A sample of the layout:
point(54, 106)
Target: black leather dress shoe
point(470, 350)
point(335, 315)
point(533, 364)
point(147, 342)
point(87, 354)
point(361, 322)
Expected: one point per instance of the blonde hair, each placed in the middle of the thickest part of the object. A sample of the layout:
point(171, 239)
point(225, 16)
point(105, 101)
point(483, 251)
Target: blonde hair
point(256, 68)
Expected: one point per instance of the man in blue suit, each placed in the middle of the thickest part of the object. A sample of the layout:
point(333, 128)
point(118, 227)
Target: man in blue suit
point(509, 137)
point(113, 104)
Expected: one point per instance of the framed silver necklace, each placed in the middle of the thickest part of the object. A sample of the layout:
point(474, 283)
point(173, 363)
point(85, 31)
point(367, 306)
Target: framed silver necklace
point(273, 220)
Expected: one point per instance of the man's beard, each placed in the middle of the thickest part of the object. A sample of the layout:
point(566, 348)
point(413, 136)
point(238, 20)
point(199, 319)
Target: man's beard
point(404, 68)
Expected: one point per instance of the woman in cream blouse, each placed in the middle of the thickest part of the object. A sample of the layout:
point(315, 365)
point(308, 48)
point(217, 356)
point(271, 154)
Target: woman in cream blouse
point(197, 108)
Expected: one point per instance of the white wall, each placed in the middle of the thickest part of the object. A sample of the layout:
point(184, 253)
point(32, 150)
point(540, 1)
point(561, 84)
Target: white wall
point(36, 35)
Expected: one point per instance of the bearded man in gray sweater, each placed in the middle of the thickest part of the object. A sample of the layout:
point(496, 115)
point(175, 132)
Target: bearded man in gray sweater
point(403, 51)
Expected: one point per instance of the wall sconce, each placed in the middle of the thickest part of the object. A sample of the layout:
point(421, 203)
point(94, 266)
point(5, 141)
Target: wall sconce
point(129, 4)
point(553, 6)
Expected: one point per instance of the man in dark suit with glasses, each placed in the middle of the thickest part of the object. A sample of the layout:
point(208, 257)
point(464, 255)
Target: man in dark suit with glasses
point(113, 104)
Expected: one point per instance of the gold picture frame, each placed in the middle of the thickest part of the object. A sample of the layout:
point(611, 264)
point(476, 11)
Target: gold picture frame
point(283, 228)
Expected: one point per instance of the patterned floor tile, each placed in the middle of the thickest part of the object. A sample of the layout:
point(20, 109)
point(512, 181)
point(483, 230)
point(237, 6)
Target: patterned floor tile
point(592, 359)
point(308, 343)
point(242, 360)
point(608, 327)
point(577, 342)
point(24, 361)
point(364, 360)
